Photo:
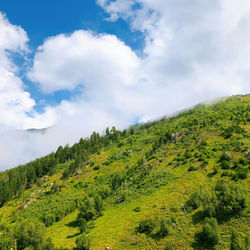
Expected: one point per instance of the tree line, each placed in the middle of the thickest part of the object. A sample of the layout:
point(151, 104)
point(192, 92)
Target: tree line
point(14, 181)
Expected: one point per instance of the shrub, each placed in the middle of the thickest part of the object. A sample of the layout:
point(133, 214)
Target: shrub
point(48, 245)
point(48, 219)
point(209, 236)
point(87, 214)
point(224, 157)
point(164, 230)
point(117, 180)
point(201, 158)
point(215, 170)
point(6, 240)
point(146, 226)
point(173, 219)
point(242, 173)
point(29, 234)
point(169, 246)
point(191, 168)
point(98, 204)
point(243, 161)
point(87, 210)
point(96, 167)
point(65, 174)
point(152, 157)
point(83, 243)
point(231, 198)
point(247, 242)
point(227, 199)
point(227, 173)
point(225, 165)
point(124, 196)
point(235, 242)
point(204, 163)
point(194, 202)
point(236, 165)
point(82, 223)
point(137, 209)
point(106, 163)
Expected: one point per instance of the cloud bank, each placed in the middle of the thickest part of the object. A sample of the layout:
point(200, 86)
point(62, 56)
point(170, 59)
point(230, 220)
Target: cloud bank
point(14, 101)
point(194, 51)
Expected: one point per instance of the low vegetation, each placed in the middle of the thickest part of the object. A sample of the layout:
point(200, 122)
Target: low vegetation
point(177, 183)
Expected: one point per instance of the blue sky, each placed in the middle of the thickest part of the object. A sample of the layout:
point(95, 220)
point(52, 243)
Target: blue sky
point(82, 65)
point(43, 19)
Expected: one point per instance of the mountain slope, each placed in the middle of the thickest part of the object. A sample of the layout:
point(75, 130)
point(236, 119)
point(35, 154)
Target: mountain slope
point(153, 186)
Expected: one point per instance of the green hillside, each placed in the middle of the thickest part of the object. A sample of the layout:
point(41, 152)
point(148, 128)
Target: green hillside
point(177, 183)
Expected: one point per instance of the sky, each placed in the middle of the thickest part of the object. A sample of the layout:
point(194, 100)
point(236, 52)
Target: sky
point(79, 66)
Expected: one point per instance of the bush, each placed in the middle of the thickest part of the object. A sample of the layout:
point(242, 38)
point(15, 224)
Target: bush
point(169, 246)
point(87, 210)
point(227, 173)
point(137, 209)
point(146, 226)
point(65, 174)
point(224, 157)
point(191, 168)
point(215, 170)
point(29, 234)
point(6, 240)
point(242, 173)
point(243, 161)
point(108, 162)
point(82, 223)
point(209, 236)
point(116, 180)
point(231, 198)
point(124, 196)
point(225, 165)
point(194, 202)
point(98, 204)
point(225, 200)
point(164, 230)
point(152, 157)
point(247, 242)
point(83, 243)
point(96, 167)
point(235, 242)
point(48, 245)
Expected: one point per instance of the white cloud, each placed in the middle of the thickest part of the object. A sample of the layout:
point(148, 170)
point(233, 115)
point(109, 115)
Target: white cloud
point(83, 58)
point(12, 37)
point(116, 8)
point(15, 102)
point(16, 105)
point(72, 122)
point(194, 50)
point(185, 38)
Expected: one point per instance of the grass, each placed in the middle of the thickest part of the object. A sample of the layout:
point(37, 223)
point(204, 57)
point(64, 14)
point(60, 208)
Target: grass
point(62, 233)
point(116, 227)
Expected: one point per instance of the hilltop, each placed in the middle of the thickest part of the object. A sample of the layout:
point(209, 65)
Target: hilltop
point(177, 183)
